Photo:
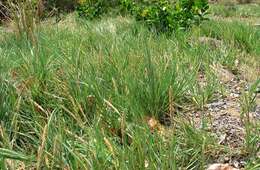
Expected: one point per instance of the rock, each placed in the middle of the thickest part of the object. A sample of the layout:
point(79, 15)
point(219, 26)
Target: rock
point(234, 95)
point(216, 106)
point(221, 167)
point(223, 74)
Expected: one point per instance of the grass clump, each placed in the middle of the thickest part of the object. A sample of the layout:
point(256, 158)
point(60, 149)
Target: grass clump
point(238, 34)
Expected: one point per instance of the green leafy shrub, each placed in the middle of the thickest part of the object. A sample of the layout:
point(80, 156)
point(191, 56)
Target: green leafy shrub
point(90, 9)
point(163, 15)
point(94, 8)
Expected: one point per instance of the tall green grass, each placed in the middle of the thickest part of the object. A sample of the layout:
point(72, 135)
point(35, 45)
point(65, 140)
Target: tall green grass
point(80, 99)
point(235, 10)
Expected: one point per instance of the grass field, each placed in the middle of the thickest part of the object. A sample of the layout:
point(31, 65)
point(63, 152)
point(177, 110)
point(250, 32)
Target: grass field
point(110, 94)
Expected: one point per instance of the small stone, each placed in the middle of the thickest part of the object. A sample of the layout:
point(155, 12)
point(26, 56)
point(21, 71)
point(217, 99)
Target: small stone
point(146, 164)
point(236, 164)
point(234, 95)
point(226, 159)
point(243, 163)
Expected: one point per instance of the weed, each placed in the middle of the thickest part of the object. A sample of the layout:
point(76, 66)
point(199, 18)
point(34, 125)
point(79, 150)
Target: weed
point(23, 15)
point(248, 104)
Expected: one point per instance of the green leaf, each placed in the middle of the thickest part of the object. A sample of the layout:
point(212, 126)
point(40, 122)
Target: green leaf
point(6, 153)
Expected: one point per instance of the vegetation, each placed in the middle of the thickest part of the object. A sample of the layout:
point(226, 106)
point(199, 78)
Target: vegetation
point(112, 94)
point(163, 15)
point(244, 11)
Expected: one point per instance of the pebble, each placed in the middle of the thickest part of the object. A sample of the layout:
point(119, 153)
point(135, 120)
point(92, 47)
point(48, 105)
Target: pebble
point(234, 95)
